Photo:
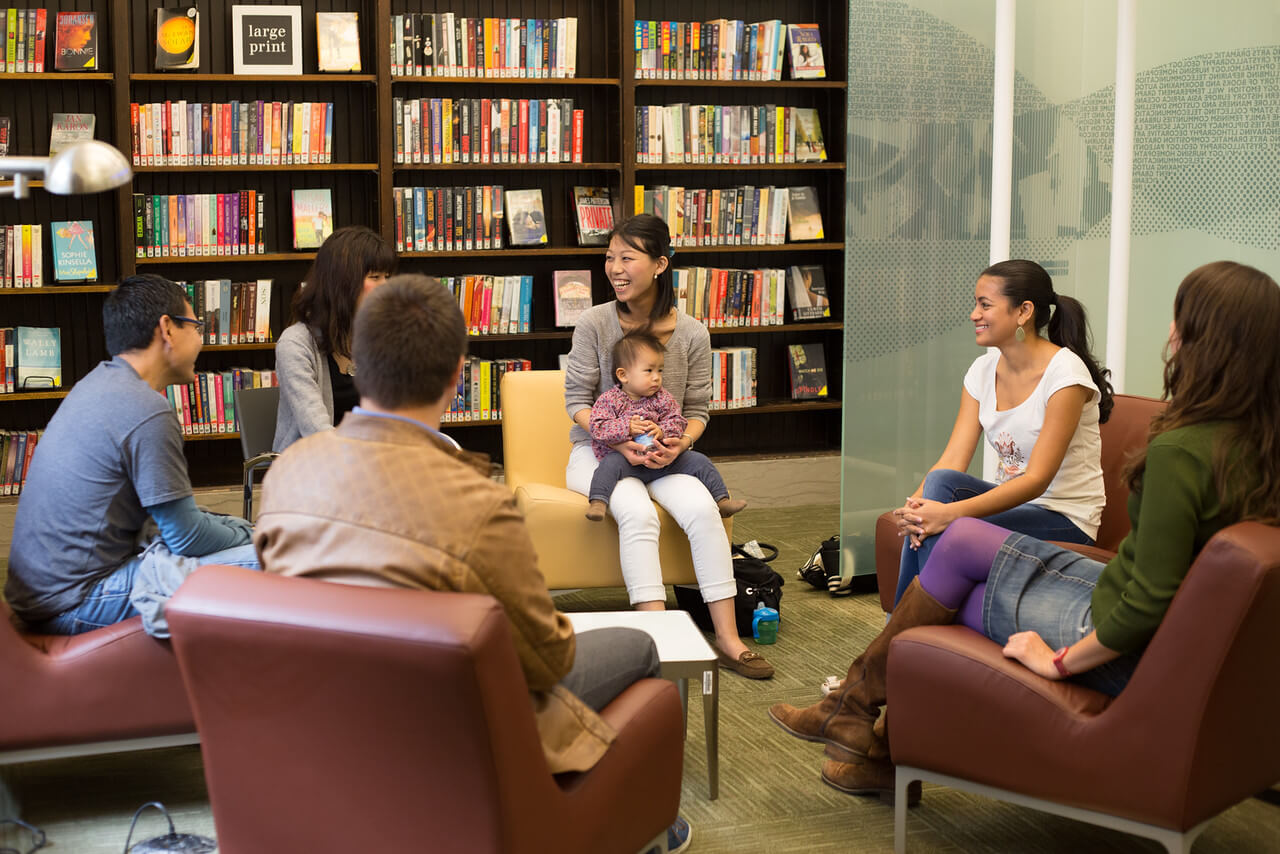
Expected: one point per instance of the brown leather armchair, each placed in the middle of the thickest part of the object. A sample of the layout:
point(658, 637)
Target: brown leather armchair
point(1192, 733)
point(335, 717)
point(1124, 433)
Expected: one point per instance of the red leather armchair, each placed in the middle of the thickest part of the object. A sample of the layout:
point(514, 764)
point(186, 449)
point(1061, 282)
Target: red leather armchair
point(334, 717)
point(1192, 734)
point(1123, 434)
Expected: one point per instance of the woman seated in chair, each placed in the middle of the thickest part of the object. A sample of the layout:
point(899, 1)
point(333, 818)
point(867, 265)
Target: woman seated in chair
point(1038, 397)
point(638, 266)
point(1213, 460)
point(313, 356)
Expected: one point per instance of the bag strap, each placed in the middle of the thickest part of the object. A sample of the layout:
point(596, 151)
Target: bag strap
point(769, 550)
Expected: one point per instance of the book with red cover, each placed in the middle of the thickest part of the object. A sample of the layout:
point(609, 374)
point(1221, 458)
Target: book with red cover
point(75, 46)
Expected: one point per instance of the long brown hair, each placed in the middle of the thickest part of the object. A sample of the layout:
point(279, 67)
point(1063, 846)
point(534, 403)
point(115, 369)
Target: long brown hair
point(1226, 367)
point(327, 302)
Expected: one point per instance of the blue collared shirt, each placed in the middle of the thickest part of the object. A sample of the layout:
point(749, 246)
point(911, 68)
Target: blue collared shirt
point(424, 425)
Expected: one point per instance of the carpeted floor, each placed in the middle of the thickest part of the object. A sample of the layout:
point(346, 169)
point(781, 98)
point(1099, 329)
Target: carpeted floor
point(771, 798)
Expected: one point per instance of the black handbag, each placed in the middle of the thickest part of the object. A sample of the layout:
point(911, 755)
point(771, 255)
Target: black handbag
point(757, 584)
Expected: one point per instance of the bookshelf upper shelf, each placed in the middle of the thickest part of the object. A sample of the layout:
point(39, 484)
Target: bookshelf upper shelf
point(105, 77)
point(182, 77)
point(735, 167)
point(45, 290)
point(513, 81)
point(266, 167)
point(749, 84)
point(484, 167)
point(225, 259)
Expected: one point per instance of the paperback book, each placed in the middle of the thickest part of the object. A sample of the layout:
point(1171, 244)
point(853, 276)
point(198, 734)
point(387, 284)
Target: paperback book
point(806, 52)
point(573, 295)
point(312, 218)
point(803, 218)
point(68, 128)
point(75, 46)
point(177, 38)
point(526, 217)
point(6, 133)
point(593, 211)
point(38, 352)
point(266, 39)
point(809, 147)
point(808, 371)
point(338, 41)
point(74, 258)
point(807, 288)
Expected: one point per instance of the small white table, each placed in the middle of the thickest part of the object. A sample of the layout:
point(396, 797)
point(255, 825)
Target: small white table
point(685, 655)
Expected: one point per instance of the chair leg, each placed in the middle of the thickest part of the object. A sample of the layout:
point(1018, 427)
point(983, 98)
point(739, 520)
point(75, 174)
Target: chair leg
point(8, 802)
point(901, 780)
point(248, 496)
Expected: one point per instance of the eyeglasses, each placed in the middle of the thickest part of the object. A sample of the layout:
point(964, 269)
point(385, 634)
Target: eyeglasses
point(179, 319)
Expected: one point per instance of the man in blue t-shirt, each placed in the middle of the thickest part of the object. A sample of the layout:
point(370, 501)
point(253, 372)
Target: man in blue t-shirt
point(110, 459)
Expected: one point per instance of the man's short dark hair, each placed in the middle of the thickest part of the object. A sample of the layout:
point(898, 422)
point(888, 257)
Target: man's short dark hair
point(131, 312)
point(408, 338)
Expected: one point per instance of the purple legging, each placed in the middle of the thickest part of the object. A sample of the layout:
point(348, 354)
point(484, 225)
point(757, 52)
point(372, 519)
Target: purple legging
point(956, 572)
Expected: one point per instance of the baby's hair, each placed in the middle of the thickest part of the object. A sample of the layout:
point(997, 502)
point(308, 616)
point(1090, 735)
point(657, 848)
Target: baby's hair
point(629, 347)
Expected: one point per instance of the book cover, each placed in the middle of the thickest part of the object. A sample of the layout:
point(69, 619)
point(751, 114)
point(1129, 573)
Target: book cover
point(593, 210)
point(803, 218)
point(806, 51)
point(573, 295)
point(74, 258)
point(526, 218)
point(807, 288)
point(809, 147)
point(808, 371)
point(6, 134)
point(338, 41)
point(68, 128)
point(312, 218)
point(75, 45)
point(266, 39)
point(177, 38)
point(38, 352)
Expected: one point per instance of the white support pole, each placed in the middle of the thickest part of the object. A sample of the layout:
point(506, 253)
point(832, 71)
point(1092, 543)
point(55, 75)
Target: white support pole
point(1002, 132)
point(1121, 191)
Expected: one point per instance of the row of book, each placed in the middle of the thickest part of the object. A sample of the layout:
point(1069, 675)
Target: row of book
point(450, 45)
point(190, 133)
point(493, 305)
point(726, 50)
point(233, 312)
point(208, 405)
point(479, 396)
point(720, 296)
point(733, 216)
point(30, 358)
point(462, 219)
point(733, 378)
point(487, 130)
point(16, 448)
point(714, 133)
point(199, 224)
point(22, 254)
point(75, 45)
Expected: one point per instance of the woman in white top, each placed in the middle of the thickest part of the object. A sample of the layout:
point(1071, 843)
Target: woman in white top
point(1039, 398)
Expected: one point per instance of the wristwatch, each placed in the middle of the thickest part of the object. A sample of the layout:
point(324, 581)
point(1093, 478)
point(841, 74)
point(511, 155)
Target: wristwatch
point(1061, 665)
point(690, 438)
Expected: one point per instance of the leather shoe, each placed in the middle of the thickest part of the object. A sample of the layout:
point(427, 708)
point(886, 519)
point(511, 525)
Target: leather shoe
point(750, 664)
point(867, 777)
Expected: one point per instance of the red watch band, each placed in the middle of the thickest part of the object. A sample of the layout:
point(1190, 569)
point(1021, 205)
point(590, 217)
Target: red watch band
point(1059, 664)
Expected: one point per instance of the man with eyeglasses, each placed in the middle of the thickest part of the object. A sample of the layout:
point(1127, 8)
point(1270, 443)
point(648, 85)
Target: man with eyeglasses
point(84, 553)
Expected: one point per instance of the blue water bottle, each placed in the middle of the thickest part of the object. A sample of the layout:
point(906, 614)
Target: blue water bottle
point(764, 625)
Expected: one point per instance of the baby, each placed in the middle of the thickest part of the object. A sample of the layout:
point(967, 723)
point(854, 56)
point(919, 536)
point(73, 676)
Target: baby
point(639, 408)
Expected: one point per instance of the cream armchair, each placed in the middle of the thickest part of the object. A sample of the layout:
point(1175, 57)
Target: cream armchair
point(572, 552)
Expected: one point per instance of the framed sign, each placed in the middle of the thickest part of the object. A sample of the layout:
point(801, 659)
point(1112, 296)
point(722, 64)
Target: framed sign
point(266, 39)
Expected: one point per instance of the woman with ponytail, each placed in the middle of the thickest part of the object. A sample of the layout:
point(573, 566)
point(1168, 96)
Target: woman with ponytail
point(1039, 397)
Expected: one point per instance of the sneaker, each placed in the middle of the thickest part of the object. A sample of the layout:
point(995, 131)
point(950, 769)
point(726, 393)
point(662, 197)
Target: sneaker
point(679, 835)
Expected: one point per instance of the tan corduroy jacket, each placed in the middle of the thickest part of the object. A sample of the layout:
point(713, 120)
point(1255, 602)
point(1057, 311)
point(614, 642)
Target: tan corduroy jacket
point(383, 501)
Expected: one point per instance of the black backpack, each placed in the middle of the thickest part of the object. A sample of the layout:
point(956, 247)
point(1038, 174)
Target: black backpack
point(757, 582)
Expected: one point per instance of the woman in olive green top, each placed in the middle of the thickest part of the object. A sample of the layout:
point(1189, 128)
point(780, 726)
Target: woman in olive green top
point(1213, 459)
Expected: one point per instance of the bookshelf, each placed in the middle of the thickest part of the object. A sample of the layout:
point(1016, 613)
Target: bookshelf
point(364, 172)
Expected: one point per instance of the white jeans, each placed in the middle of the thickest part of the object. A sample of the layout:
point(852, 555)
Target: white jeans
point(688, 502)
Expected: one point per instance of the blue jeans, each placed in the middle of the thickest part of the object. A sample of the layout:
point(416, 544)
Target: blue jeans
point(108, 601)
point(947, 486)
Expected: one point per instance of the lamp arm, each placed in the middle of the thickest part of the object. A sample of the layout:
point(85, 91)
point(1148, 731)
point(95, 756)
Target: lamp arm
point(21, 168)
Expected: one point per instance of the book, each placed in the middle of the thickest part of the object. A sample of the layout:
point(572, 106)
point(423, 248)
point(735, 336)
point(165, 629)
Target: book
point(809, 147)
point(266, 39)
point(68, 128)
point(804, 221)
point(593, 211)
point(806, 51)
point(573, 295)
point(808, 371)
point(6, 134)
point(312, 218)
point(74, 258)
point(38, 351)
point(177, 38)
point(807, 289)
point(526, 218)
point(75, 45)
point(338, 41)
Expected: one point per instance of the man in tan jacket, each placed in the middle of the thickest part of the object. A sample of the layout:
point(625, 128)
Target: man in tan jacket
point(387, 499)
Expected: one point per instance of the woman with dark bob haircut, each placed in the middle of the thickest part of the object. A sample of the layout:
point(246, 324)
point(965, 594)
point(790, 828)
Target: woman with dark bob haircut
point(1213, 459)
point(313, 356)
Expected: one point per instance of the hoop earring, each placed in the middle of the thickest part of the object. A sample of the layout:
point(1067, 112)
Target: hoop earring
point(1020, 335)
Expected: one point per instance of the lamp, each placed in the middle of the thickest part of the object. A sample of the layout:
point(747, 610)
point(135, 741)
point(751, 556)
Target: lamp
point(91, 166)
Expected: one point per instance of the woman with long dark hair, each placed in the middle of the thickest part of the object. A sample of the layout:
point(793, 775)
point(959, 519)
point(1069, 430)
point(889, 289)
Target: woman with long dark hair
point(1038, 396)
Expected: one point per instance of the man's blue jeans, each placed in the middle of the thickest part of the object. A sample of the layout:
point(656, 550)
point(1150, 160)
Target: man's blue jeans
point(947, 486)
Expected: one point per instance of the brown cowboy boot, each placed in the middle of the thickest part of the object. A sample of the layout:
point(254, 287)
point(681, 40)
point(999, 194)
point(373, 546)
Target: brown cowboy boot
point(867, 777)
point(844, 719)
